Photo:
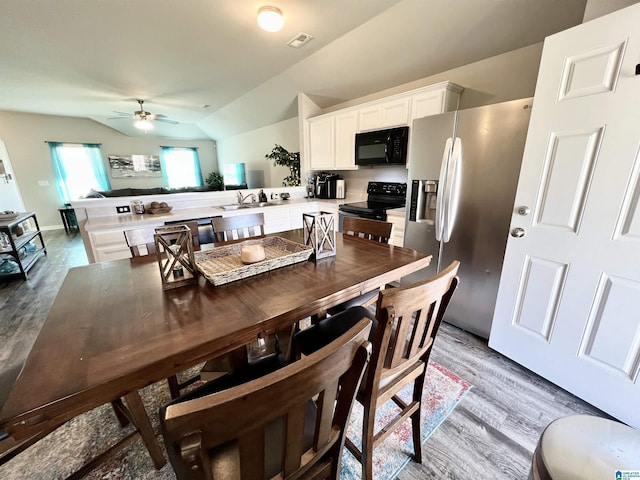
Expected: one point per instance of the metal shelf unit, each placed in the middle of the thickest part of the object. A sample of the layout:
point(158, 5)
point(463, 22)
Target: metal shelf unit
point(25, 260)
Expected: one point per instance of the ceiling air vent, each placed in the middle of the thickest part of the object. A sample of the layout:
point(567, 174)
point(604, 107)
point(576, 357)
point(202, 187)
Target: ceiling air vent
point(299, 40)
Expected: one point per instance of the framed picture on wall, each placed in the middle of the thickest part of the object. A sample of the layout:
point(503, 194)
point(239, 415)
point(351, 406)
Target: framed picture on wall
point(123, 166)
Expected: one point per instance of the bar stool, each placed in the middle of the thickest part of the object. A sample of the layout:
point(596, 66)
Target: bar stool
point(585, 447)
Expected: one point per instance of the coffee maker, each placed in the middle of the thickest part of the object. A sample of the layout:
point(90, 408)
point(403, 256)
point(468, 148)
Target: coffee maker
point(326, 185)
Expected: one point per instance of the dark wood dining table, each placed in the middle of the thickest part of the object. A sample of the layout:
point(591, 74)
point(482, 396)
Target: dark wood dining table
point(113, 330)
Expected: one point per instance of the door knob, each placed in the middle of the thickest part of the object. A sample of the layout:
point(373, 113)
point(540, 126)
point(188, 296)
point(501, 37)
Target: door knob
point(524, 211)
point(518, 232)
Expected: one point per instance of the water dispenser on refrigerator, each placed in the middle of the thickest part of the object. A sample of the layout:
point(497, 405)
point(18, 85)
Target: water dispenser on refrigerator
point(422, 208)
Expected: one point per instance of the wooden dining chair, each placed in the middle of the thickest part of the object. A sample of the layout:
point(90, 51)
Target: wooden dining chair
point(237, 227)
point(141, 243)
point(406, 322)
point(367, 228)
point(289, 423)
point(375, 230)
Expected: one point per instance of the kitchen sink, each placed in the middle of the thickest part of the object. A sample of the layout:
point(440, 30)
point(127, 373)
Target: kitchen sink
point(231, 207)
point(237, 206)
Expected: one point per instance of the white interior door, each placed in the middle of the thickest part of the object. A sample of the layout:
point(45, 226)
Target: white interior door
point(569, 298)
point(10, 197)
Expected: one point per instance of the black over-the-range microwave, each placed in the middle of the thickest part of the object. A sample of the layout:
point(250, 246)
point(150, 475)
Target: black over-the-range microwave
point(382, 147)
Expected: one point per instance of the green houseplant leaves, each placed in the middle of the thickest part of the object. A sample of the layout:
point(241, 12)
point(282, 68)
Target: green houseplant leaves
point(283, 158)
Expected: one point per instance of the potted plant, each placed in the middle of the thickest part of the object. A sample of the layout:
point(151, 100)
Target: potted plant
point(283, 158)
point(215, 181)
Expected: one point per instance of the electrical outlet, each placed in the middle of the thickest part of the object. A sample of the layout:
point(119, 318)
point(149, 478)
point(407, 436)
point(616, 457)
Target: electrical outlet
point(123, 209)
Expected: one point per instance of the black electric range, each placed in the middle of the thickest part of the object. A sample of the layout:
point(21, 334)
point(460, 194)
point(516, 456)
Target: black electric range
point(381, 196)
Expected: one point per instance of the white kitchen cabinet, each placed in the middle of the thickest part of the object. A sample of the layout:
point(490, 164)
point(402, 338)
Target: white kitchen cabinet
point(435, 99)
point(395, 113)
point(331, 137)
point(332, 141)
point(386, 114)
point(369, 117)
point(296, 211)
point(428, 103)
point(109, 245)
point(321, 142)
point(276, 220)
point(345, 128)
point(396, 217)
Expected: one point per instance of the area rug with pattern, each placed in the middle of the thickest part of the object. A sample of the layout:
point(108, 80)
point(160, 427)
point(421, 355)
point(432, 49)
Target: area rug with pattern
point(443, 390)
point(64, 451)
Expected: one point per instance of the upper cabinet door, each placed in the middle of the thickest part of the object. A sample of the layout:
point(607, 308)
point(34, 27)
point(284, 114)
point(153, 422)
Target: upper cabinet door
point(370, 118)
point(321, 141)
point(395, 113)
point(345, 140)
point(428, 103)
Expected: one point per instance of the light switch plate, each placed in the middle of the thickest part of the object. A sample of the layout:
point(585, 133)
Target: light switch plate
point(123, 209)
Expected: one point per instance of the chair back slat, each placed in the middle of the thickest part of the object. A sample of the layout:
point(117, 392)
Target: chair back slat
point(415, 313)
point(251, 454)
point(141, 241)
point(366, 228)
point(238, 227)
point(294, 439)
point(326, 403)
point(234, 420)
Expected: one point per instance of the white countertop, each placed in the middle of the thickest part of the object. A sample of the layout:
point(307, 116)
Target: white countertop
point(135, 220)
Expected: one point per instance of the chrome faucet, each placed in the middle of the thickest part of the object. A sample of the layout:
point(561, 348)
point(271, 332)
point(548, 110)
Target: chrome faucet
point(241, 199)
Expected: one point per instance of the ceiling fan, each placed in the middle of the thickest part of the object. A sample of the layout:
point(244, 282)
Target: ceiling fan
point(143, 118)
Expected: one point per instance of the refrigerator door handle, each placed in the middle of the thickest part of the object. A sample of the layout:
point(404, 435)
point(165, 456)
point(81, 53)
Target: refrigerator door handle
point(452, 190)
point(442, 189)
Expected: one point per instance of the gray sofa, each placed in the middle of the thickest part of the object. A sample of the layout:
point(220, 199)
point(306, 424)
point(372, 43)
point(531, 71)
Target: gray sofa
point(134, 192)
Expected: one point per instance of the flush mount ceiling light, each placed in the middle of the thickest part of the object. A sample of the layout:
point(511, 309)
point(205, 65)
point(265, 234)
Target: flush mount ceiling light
point(270, 19)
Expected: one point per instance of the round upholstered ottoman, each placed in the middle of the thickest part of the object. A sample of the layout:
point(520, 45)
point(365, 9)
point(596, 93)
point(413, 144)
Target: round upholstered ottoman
point(583, 447)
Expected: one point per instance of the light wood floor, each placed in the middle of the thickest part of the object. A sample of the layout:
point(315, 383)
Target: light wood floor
point(490, 435)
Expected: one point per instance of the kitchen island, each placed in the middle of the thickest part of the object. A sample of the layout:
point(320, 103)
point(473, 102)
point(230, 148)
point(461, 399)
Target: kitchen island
point(102, 228)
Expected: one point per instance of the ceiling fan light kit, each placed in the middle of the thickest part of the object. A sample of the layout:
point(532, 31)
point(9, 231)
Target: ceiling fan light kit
point(142, 120)
point(143, 124)
point(270, 18)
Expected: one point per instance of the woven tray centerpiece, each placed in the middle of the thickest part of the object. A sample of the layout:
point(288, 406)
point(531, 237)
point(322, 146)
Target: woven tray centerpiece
point(223, 264)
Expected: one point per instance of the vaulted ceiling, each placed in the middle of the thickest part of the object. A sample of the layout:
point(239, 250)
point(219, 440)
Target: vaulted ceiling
point(207, 65)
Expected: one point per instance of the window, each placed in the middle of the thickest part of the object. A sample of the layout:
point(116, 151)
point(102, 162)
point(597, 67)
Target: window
point(79, 168)
point(181, 167)
point(235, 175)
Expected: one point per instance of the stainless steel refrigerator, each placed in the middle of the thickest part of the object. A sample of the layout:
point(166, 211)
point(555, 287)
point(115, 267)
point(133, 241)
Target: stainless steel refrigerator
point(463, 174)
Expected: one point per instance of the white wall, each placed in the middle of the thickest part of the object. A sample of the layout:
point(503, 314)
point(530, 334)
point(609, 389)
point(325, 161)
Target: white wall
point(598, 8)
point(509, 76)
point(25, 135)
point(505, 77)
point(251, 147)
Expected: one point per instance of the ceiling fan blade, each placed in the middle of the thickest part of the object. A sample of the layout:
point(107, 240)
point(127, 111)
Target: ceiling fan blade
point(122, 113)
point(117, 118)
point(166, 120)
